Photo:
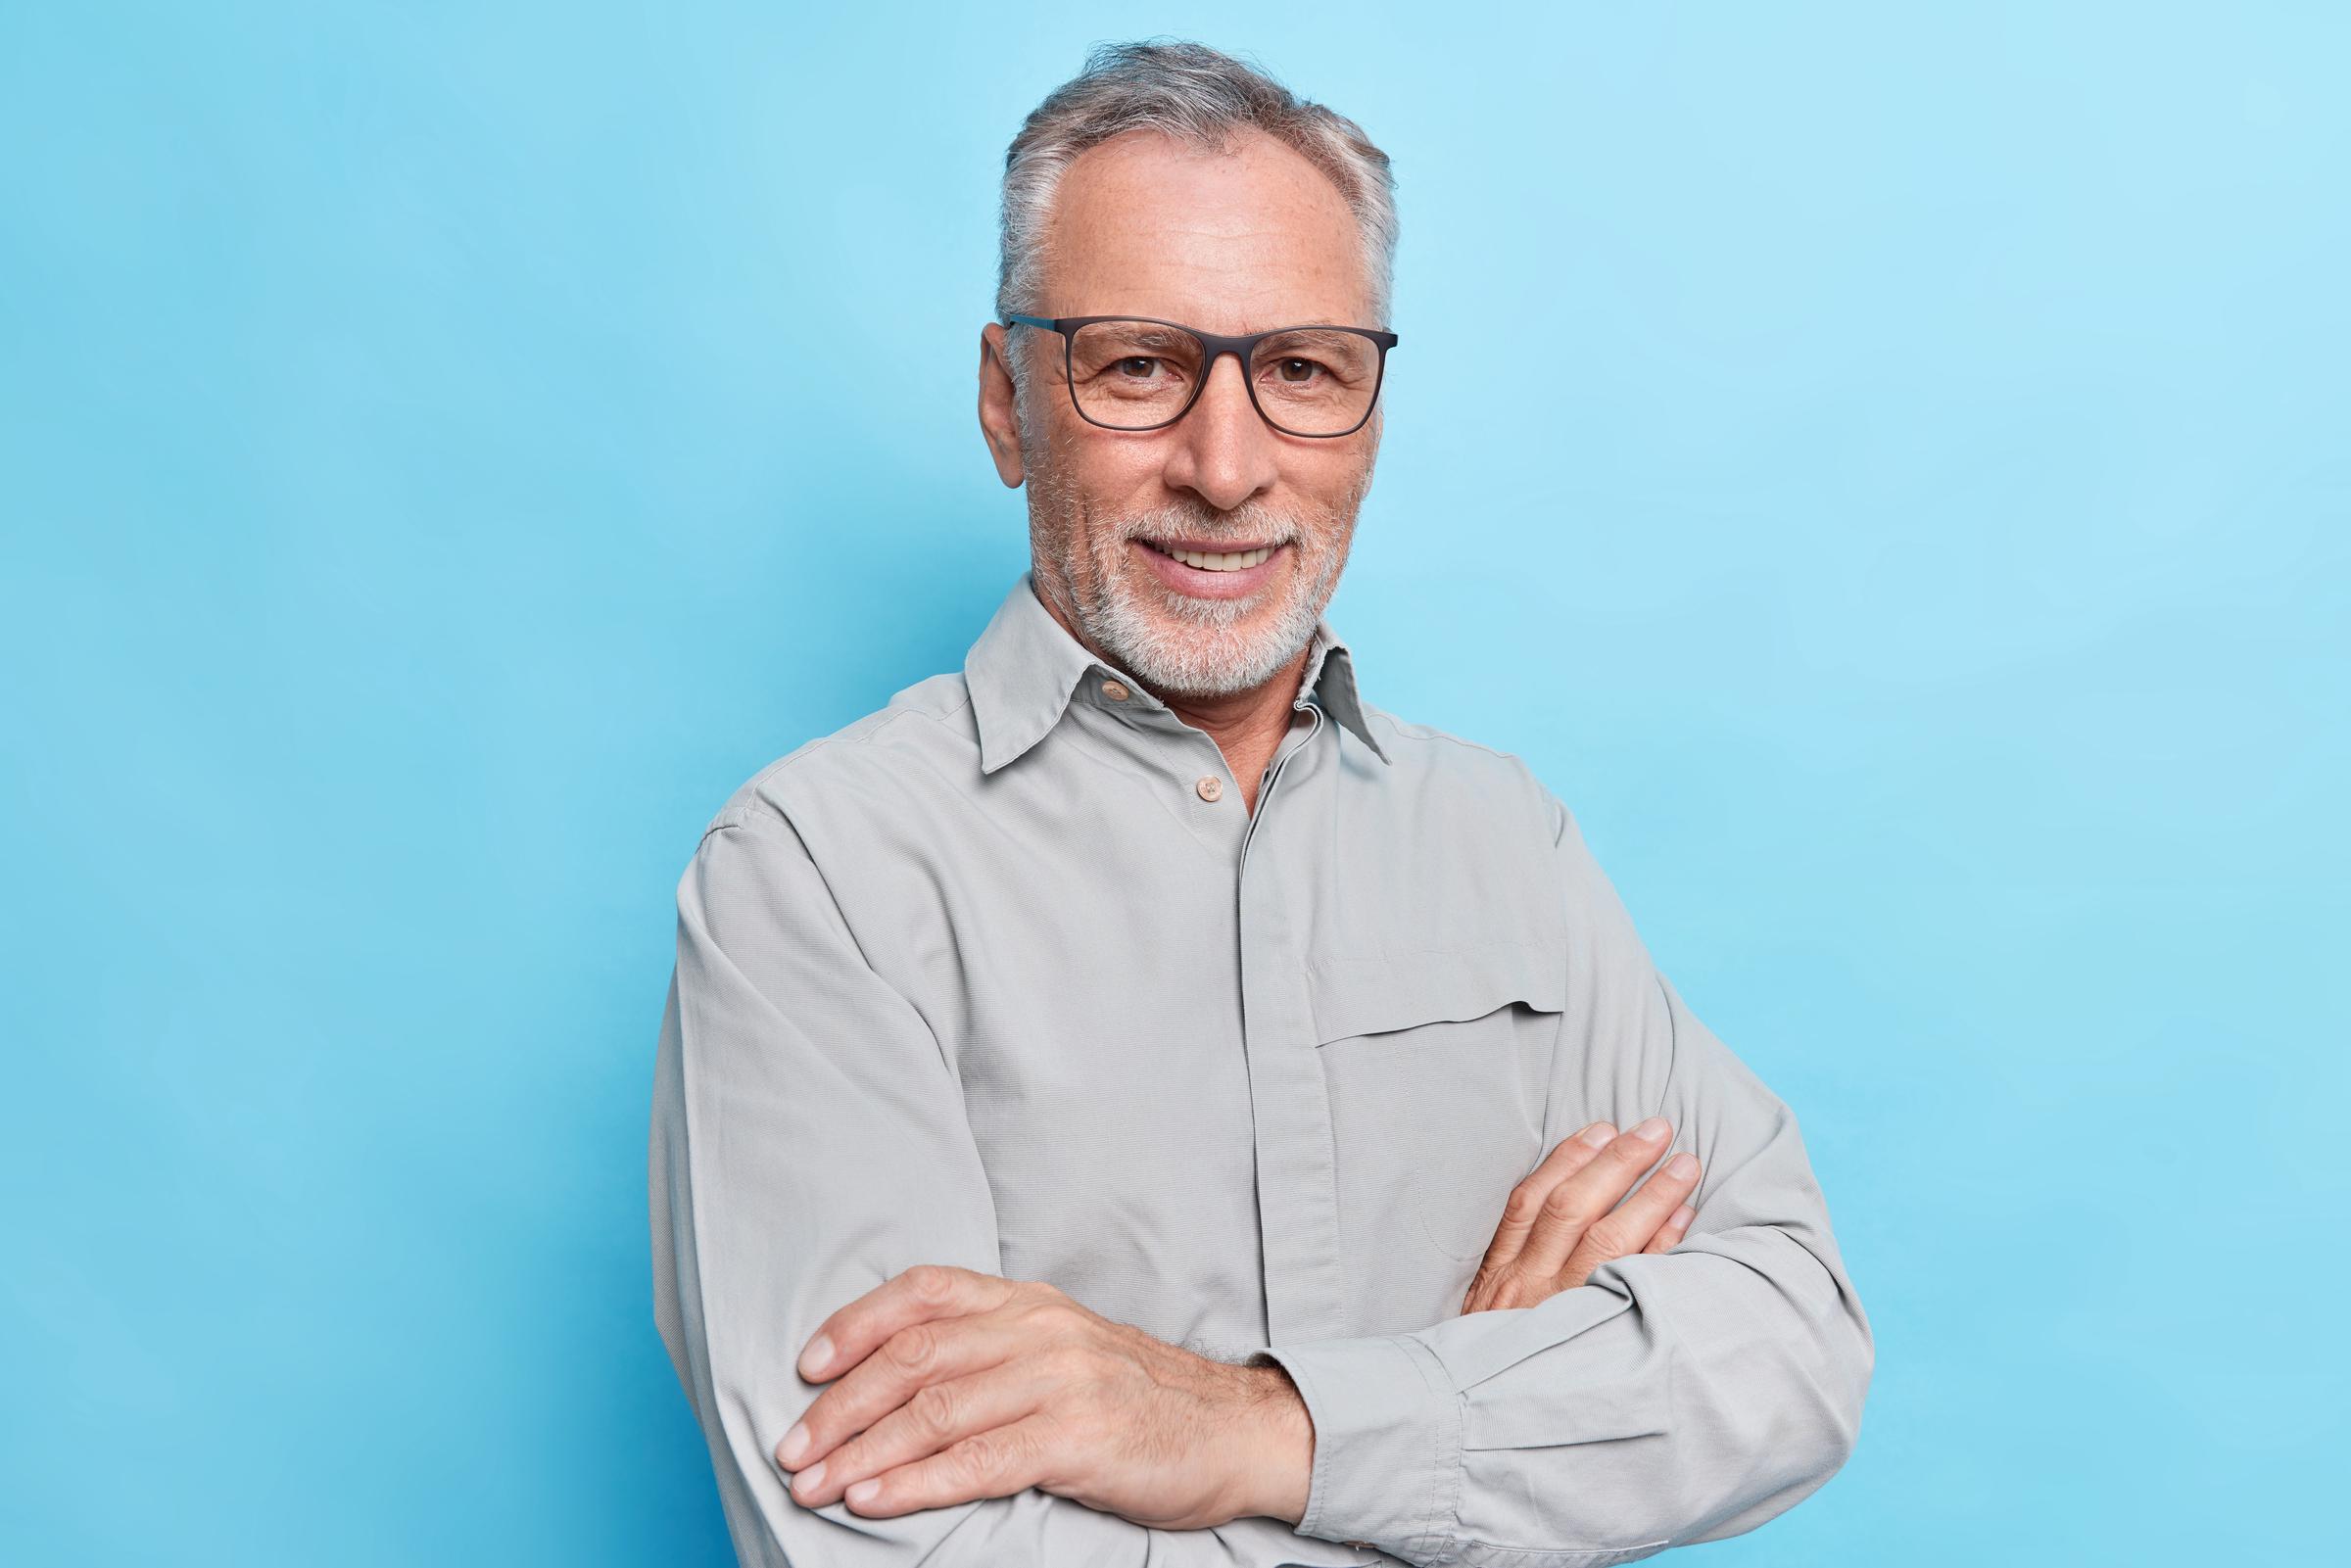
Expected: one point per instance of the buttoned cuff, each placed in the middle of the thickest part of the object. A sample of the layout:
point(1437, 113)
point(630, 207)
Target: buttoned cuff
point(1387, 1468)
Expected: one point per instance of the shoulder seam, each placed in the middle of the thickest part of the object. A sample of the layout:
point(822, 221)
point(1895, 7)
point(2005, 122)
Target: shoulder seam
point(1424, 732)
point(877, 722)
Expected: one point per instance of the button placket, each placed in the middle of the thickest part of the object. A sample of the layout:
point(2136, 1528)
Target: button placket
point(1297, 1176)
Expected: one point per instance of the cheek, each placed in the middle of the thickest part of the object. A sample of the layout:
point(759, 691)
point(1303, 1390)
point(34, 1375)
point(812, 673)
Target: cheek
point(1335, 474)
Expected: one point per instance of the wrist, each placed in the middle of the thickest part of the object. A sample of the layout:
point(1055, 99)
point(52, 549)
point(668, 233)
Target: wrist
point(1276, 1456)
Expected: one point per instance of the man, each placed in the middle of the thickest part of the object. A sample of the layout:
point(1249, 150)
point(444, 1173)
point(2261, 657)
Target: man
point(1133, 1101)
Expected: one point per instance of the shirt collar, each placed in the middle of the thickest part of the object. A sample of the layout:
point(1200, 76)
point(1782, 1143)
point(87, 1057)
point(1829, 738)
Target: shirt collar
point(1025, 667)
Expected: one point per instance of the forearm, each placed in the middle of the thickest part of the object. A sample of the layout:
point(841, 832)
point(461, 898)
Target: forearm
point(788, 1172)
point(1676, 1398)
point(730, 1390)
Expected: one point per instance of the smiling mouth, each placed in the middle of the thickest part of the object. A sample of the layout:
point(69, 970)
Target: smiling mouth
point(1212, 560)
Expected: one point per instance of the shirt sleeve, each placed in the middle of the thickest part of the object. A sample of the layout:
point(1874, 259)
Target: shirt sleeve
point(808, 1142)
point(1673, 1397)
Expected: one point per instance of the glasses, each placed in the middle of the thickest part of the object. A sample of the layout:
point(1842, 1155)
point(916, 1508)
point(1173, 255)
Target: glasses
point(1135, 373)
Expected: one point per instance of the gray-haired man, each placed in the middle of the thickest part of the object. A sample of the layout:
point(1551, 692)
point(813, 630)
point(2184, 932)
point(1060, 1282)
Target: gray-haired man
point(1169, 1105)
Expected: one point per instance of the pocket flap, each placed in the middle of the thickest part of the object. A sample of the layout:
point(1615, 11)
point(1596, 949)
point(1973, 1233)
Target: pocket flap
point(1397, 991)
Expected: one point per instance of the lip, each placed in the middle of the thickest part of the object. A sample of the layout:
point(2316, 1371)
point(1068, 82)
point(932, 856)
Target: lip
point(1201, 584)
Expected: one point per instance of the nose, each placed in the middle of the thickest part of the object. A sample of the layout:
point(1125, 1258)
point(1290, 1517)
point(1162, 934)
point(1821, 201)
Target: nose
point(1224, 452)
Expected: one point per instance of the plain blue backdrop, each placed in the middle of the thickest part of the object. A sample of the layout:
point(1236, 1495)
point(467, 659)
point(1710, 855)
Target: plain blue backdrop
point(1883, 465)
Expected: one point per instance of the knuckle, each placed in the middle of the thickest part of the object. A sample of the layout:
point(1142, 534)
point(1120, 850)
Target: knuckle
point(1606, 1240)
point(1563, 1203)
point(1043, 1304)
point(1524, 1204)
point(985, 1454)
point(929, 1283)
point(912, 1349)
point(935, 1410)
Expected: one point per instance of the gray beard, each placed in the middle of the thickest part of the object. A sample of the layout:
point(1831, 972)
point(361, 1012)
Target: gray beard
point(1203, 651)
point(1171, 641)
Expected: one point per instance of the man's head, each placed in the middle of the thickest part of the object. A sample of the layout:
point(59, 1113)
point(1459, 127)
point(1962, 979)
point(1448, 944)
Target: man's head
point(1169, 182)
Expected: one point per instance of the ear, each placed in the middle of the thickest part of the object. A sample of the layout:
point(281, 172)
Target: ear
point(998, 421)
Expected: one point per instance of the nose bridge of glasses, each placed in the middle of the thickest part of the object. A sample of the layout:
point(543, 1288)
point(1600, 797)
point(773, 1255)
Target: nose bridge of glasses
point(1239, 402)
point(1217, 350)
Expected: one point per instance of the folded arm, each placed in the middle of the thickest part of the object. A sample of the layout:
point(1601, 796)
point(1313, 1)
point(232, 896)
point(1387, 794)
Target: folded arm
point(1673, 1397)
point(808, 1143)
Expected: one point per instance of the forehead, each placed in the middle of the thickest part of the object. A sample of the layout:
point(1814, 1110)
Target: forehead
point(1237, 240)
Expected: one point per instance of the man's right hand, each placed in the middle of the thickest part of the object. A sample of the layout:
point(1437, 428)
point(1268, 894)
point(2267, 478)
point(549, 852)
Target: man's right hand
point(1558, 1225)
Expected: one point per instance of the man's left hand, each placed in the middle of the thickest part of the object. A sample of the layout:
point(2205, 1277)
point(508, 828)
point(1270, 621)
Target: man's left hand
point(950, 1386)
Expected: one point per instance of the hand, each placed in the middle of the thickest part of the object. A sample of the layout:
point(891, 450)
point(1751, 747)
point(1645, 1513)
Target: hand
point(1554, 1232)
point(950, 1386)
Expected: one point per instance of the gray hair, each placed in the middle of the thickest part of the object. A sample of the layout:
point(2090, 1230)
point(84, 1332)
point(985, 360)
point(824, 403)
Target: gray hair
point(1202, 97)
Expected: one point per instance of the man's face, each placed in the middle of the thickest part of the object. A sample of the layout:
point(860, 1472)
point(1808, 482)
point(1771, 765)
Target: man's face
point(1230, 242)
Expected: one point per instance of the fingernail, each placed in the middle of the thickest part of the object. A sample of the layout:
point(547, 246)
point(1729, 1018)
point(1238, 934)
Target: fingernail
point(808, 1480)
point(863, 1491)
point(795, 1444)
point(815, 1357)
point(1682, 1167)
point(1651, 1131)
point(1598, 1134)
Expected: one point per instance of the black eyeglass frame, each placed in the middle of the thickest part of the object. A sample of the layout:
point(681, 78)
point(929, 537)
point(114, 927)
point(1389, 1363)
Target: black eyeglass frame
point(1213, 346)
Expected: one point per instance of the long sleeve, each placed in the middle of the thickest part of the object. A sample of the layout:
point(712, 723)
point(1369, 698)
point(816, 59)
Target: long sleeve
point(808, 1142)
point(1675, 1398)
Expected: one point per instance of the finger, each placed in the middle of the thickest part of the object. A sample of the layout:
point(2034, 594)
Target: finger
point(1576, 1204)
point(938, 1416)
point(898, 1369)
point(915, 1295)
point(1669, 1235)
point(1628, 1230)
point(996, 1463)
point(1525, 1202)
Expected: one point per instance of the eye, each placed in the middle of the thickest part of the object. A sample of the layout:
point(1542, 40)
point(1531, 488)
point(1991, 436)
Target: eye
point(1294, 370)
point(1128, 364)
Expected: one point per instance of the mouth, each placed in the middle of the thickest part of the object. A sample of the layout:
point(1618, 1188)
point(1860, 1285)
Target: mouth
point(1227, 571)
point(1210, 557)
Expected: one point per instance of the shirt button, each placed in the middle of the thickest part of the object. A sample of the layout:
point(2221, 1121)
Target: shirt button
point(1211, 787)
point(1115, 691)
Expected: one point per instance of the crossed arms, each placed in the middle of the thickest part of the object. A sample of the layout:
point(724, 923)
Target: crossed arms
point(1621, 1397)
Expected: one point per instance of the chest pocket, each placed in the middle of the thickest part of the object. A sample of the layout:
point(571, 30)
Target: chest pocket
point(1352, 996)
point(1437, 1063)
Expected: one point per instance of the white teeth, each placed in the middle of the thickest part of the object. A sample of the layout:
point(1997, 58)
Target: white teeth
point(1222, 563)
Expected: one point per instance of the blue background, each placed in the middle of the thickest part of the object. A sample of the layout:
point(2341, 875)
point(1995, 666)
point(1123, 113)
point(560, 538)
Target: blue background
point(1884, 467)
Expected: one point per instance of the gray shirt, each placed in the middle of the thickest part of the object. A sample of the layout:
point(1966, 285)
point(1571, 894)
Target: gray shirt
point(1008, 975)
